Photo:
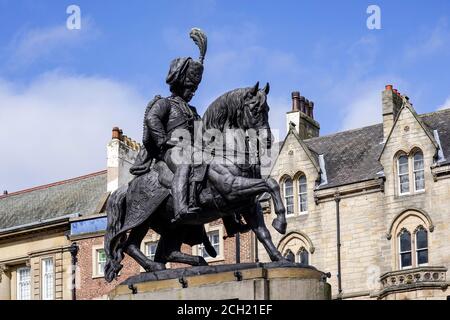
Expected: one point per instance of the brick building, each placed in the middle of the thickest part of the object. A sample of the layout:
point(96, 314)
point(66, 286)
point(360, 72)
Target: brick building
point(35, 251)
point(372, 203)
point(88, 231)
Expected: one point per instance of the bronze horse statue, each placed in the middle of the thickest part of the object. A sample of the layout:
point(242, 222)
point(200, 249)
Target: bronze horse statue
point(229, 190)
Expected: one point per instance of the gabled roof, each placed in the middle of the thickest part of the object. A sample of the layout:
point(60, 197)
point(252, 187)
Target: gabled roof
point(440, 121)
point(78, 196)
point(350, 156)
point(313, 157)
point(426, 129)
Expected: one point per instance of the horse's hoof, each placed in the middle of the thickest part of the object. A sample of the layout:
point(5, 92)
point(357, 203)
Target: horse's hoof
point(156, 267)
point(279, 226)
point(202, 261)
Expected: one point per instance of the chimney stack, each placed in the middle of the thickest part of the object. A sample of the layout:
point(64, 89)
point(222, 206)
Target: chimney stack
point(121, 154)
point(5, 192)
point(302, 116)
point(392, 102)
point(116, 133)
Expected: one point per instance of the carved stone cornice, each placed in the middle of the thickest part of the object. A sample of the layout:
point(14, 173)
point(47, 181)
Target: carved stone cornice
point(440, 172)
point(348, 191)
point(409, 279)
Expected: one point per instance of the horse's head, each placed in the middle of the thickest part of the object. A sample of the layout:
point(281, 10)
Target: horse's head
point(244, 108)
point(255, 111)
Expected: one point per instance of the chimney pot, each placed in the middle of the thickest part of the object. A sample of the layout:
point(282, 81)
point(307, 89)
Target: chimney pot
point(295, 101)
point(307, 108)
point(116, 133)
point(389, 87)
point(5, 192)
point(302, 104)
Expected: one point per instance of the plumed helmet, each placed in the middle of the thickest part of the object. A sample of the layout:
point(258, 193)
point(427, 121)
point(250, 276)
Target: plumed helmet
point(182, 68)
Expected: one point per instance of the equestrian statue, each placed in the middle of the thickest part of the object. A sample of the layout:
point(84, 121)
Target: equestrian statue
point(173, 194)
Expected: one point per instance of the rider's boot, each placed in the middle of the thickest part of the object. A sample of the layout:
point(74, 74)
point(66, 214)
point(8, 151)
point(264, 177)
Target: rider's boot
point(180, 194)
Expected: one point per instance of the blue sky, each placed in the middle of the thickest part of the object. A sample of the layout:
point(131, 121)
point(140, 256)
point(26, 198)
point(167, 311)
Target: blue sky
point(61, 91)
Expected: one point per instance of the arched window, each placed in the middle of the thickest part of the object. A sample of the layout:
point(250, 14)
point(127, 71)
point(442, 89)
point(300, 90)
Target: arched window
point(405, 249)
point(289, 255)
point(302, 194)
point(303, 256)
point(419, 173)
point(421, 246)
point(289, 196)
point(403, 174)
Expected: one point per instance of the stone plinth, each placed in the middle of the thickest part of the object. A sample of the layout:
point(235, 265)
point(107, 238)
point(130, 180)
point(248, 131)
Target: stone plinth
point(271, 281)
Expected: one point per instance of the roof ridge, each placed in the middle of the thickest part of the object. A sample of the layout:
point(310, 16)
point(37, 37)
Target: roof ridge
point(342, 132)
point(373, 125)
point(53, 184)
point(434, 112)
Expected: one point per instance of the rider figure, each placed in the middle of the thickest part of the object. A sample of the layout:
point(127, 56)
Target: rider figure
point(174, 113)
point(165, 116)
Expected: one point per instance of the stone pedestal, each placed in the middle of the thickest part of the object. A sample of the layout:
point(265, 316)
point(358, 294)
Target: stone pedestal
point(271, 281)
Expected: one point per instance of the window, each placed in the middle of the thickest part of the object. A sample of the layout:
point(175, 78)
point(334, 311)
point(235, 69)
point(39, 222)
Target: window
point(411, 173)
point(47, 279)
point(289, 196)
point(24, 284)
point(403, 174)
point(214, 238)
point(303, 256)
point(421, 246)
point(405, 249)
point(289, 255)
point(150, 250)
point(101, 262)
point(302, 194)
point(419, 173)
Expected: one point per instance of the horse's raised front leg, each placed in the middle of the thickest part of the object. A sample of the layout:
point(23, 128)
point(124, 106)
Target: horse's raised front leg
point(236, 188)
point(132, 248)
point(255, 220)
point(279, 223)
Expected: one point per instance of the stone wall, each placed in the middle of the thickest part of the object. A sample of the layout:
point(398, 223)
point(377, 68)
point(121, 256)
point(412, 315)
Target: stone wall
point(371, 216)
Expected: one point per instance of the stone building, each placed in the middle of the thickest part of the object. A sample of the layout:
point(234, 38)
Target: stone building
point(372, 202)
point(51, 237)
point(35, 251)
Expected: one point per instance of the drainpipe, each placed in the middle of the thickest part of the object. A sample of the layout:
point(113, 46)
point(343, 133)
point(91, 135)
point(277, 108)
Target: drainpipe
point(256, 248)
point(337, 199)
point(238, 247)
point(73, 252)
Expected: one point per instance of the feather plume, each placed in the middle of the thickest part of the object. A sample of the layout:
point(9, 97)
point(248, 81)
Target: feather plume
point(201, 41)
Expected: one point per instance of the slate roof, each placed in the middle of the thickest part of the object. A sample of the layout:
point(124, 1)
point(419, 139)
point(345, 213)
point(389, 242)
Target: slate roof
point(78, 196)
point(352, 156)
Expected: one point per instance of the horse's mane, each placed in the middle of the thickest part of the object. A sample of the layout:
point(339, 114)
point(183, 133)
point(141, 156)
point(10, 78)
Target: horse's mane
point(227, 110)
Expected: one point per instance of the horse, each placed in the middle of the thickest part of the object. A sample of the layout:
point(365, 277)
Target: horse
point(229, 191)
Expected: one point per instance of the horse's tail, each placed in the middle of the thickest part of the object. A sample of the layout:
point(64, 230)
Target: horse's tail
point(115, 208)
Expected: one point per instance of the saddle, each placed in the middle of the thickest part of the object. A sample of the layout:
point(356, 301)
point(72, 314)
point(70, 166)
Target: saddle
point(197, 179)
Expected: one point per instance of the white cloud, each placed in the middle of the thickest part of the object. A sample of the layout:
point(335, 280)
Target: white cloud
point(429, 42)
point(362, 101)
point(58, 126)
point(363, 110)
point(446, 104)
point(31, 45)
